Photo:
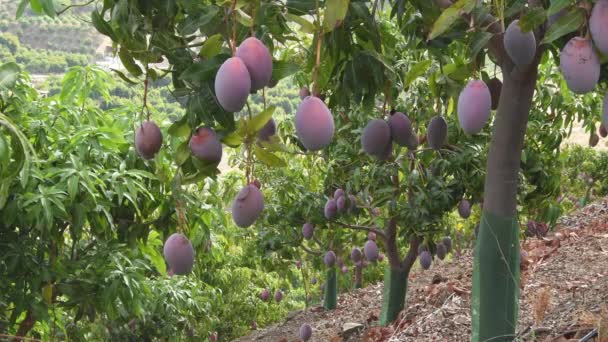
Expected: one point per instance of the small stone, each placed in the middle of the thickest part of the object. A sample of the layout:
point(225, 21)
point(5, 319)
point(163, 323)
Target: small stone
point(349, 329)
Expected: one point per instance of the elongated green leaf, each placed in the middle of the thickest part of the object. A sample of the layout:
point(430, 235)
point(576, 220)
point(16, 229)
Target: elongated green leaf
point(449, 16)
point(233, 139)
point(182, 153)
point(268, 158)
point(479, 40)
point(335, 12)
point(129, 63)
point(305, 25)
point(124, 77)
point(256, 123)
point(416, 71)
point(212, 46)
point(564, 25)
point(21, 8)
point(243, 18)
point(532, 19)
point(557, 5)
point(9, 73)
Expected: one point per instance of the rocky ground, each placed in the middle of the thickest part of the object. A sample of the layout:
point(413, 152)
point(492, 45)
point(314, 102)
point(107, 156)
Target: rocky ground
point(564, 295)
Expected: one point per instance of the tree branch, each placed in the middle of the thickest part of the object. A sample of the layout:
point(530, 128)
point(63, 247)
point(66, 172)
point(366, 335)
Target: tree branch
point(310, 251)
point(412, 253)
point(364, 228)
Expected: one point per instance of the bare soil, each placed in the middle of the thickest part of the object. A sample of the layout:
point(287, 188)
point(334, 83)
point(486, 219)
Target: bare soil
point(564, 294)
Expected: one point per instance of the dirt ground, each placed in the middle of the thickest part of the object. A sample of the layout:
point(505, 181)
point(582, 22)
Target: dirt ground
point(564, 295)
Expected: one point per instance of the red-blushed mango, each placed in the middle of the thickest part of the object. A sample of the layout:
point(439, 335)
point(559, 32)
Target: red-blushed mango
point(258, 60)
point(308, 230)
point(331, 209)
point(148, 139)
point(598, 25)
point(341, 204)
point(304, 93)
point(474, 106)
point(401, 128)
point(205, 145)
point(313, 281)
point(265, 295)
point(495, 87)
point(464, 208)
point(437, 132)
point(352, 202)
point(441, 251)
point(338, 193)
point(278, 295)
point(355, 254)
point(580, 65)
point(520, 46)
point(305, 332)
point(371, 236)
point(380, 257)
point(330, 259)
point(602, 131)
point(376, 137)
point(447, 242)
point(344, 269)
point(257, 183)
point(179, 253)
point(269, 129)
point(247, 206)
point(425, 260)
point(314, 124)
point(605, 110)
point(593, 139)
point(371, 250)
point(232, 84)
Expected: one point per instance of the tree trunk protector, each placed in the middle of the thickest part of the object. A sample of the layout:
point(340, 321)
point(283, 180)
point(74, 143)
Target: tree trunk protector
point(331, 290)
point(393, 297)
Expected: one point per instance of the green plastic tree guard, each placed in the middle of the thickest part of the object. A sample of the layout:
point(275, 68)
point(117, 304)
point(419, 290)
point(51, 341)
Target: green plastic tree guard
point(393, 297)
point(494, 307)
point(331, 290)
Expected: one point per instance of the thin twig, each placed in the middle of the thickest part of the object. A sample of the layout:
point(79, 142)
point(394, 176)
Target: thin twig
point(233, 9)
point(364, 228)
point(74, 5)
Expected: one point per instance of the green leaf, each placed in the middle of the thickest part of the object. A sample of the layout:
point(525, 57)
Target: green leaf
point(102, 26)
point(21, 8)
point(212, 46)
point(449, 17)
point(557, 5)
point(124, 77)
point(533, 18)
point(244, 18)
point(180, 128)
point(233, 139)
point(9, 73)
point(253, 125)
point(567, 23)
point(49, 8)
point(335, 12)
point(129, 63)
point(182, 153)
point(479, 40)
point(416, 71)
point(268, 158)
point(305, 25)
point(282, 69)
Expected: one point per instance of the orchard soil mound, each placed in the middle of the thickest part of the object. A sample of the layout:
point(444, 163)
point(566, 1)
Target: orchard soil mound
point(564, 294)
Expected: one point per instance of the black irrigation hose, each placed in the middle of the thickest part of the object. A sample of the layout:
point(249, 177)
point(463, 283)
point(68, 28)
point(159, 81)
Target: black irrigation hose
point(589, 336)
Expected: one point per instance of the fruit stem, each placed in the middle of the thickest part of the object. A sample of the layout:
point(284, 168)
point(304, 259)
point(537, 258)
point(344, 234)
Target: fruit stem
point(145, 104)
point(248, 163)
point(233, 27)
point(318, 57)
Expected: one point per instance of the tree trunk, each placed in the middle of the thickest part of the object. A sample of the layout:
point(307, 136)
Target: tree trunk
point(395, 280)
point(358, 276)
point(25, 326)
point(496, 268)
point(331, 289)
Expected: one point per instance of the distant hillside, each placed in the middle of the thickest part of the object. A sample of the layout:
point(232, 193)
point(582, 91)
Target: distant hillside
point(70, 32)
